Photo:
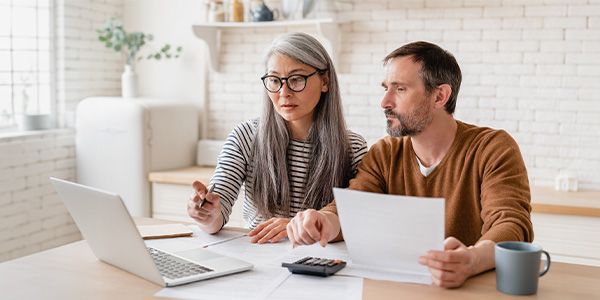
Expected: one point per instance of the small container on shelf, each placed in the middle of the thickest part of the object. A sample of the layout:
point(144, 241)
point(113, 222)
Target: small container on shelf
point(236, 11)
point(216, 11)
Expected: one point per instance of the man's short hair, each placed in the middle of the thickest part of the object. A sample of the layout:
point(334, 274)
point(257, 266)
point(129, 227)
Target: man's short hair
point(438, 67)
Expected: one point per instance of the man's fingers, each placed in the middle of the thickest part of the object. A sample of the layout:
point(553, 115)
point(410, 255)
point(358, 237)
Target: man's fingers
point(312, 224)
point(291, 233)
point(452, 243)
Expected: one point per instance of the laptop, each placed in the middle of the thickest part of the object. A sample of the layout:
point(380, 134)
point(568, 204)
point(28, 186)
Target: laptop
point(112, 235)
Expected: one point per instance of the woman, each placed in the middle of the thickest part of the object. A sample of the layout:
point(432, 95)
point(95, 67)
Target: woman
point(292, 157)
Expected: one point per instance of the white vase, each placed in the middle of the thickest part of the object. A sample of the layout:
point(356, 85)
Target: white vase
point(36, 122)
point(129, 83)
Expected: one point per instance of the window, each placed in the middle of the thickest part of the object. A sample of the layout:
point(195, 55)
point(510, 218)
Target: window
point(26, 59)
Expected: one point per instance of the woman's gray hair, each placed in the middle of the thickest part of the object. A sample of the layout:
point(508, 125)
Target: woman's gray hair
point(331, 158)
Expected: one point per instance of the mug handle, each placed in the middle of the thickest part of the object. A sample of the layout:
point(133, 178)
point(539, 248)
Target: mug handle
point(275, 14)
point(547, 267)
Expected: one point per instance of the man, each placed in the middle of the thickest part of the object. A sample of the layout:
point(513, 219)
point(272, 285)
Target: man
point(479, 171)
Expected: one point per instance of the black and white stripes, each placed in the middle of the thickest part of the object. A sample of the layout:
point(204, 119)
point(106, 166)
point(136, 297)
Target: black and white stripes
point(234, 171)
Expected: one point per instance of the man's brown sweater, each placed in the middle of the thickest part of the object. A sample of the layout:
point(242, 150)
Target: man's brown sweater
point(482, 177)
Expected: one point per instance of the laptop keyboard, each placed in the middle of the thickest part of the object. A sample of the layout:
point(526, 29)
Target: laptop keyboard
point(174, 267)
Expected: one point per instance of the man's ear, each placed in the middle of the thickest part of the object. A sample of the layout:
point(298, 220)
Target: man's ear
point(443, 92)
point(325, 81)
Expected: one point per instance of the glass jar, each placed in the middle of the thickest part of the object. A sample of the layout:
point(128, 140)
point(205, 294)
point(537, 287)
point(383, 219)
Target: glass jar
point(236, 11)
point(216, 11)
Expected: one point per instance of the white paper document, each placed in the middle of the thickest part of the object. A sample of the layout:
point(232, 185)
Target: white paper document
point(258, 283)
point(386, 234)
point(242, 248)
point(303, 287)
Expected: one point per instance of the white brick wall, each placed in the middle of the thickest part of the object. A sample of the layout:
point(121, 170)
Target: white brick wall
point(529, 67)
point(32, 216)
point(85, 67)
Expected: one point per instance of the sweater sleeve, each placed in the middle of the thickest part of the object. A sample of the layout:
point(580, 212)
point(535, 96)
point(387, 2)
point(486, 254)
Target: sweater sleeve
point(231, 169)
point(505, 194)
point(370, 176)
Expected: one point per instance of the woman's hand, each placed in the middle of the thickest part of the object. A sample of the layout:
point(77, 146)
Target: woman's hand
point(273, 230)
point(209, 214)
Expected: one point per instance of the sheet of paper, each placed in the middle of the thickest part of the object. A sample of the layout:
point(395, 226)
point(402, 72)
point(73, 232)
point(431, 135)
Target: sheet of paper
point(303, 287)
point(387, 233)
point(258, 283)
point(242, 248)
point(198, 239)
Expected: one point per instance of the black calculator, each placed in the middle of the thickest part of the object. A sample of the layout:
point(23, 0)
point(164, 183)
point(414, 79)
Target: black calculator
point(315, 266)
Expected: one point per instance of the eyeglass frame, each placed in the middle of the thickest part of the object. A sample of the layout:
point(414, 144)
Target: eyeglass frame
point(281, 79)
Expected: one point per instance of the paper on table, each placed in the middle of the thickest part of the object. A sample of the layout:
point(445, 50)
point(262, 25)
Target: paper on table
point(385, 234)
point(199, 239)
point(302, 287)
point(242, 248)
point(257, 283)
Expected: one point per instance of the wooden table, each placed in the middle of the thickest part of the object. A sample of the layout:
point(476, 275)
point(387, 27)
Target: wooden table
point(73, 272)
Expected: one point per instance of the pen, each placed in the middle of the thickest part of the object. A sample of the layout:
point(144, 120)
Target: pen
point(210, 190)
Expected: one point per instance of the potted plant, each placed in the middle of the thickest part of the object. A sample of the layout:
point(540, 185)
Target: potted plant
point(114, 36)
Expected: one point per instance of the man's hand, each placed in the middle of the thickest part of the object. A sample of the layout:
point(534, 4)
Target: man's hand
point(451, 268)
point(311, 226)
point(273, 230)
point(208, 215)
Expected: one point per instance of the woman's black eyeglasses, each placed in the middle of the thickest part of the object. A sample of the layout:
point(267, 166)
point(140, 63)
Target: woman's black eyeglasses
point(296, 83)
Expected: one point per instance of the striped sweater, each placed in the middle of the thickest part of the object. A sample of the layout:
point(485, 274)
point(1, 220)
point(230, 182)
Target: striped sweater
point(232, 171)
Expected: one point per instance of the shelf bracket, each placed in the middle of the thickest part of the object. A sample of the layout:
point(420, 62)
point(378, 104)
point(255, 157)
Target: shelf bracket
point(212, 38)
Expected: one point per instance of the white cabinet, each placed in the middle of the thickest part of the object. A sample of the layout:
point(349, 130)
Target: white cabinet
point(119, 141)
point(568, 238)
point(567, 224)
point(171, 190)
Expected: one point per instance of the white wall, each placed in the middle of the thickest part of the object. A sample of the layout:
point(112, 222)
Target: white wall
point(169, 22)
point(32, 216)
point(530, 67)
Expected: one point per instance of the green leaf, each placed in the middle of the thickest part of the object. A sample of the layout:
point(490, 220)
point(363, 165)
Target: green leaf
point(177, 56)
point(117, 47)
point(179, 49)
point(109, 45)
point(166, 48)
point(150, 37)
point(149, 56)
point(168, 55)
point(157, 56)
point(102, 39)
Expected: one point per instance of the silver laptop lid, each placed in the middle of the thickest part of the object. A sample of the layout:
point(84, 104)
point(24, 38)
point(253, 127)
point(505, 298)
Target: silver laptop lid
point(108, 228)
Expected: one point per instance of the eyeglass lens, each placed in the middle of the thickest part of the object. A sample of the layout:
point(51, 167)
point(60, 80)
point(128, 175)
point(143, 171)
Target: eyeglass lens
point(296, 83)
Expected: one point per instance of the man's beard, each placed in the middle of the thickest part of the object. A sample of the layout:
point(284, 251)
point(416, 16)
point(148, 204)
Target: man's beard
point(412, 123)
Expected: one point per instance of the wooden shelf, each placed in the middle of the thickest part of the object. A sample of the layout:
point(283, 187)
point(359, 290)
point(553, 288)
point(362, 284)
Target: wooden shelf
point(183, 176)
point(543, 199)
point(581, 203)
point(210, 33)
